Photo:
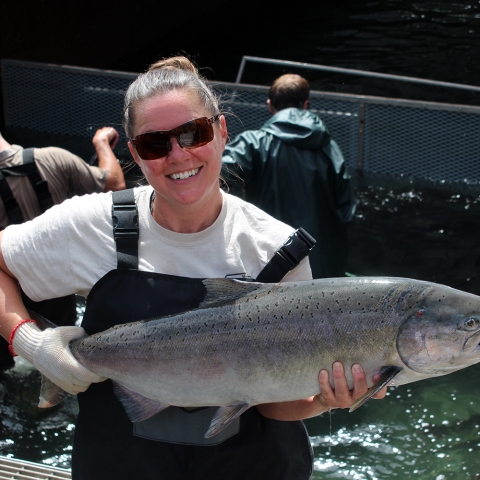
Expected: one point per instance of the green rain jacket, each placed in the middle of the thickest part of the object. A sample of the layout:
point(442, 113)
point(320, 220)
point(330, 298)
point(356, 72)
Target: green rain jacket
point(293, 170)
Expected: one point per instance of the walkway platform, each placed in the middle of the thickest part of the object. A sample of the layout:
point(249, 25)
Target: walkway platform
point(13, 469)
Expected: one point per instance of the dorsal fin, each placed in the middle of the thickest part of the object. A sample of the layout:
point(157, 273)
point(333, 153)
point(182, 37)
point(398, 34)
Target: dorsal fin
point(224, 290)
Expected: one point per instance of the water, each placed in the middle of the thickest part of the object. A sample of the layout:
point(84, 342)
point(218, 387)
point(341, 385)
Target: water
point(30, 433)
point(436, 40)
point(429, 429)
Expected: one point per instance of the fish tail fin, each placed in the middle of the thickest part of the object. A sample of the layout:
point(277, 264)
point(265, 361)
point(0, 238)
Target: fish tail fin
point(42, 322)
point(50, 394)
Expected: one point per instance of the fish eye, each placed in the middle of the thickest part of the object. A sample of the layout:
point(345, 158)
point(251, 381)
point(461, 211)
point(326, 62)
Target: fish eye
point(471, 323)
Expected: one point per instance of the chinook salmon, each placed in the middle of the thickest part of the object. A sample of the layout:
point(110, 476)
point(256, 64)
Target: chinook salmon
point(252, 343)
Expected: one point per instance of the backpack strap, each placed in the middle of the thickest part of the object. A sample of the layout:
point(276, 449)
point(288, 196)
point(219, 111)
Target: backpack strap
point(298, 245)
point(12, 209)
point(38, 183)
point(125, 228)
point(40, 187)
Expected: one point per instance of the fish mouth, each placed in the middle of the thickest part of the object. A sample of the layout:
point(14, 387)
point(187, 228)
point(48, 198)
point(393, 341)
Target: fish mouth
point(472, 344)
point(184, 175)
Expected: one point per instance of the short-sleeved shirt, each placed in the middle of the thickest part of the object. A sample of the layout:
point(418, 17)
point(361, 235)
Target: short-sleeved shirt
point(70, 247)
point(66, 175)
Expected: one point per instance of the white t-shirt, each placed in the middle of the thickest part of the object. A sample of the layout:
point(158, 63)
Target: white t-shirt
point(70, 247)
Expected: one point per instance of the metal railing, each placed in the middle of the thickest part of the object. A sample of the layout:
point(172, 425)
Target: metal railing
point(381, 136)
point(349, 71)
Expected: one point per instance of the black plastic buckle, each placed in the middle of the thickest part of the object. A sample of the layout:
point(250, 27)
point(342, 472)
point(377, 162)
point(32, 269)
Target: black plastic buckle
point(298, 245)
point(125, 222)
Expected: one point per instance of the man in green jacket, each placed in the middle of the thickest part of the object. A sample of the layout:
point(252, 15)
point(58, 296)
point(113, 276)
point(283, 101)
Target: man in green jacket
point(292, 169)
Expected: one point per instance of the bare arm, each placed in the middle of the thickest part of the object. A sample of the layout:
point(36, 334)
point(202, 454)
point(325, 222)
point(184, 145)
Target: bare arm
point(12, 309)
point(328, 399)
point(47, 350)
point(104, 140)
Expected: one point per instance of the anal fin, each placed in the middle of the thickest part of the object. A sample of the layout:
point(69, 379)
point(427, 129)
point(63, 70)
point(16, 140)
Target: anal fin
point(224, 416)
point(388, 373)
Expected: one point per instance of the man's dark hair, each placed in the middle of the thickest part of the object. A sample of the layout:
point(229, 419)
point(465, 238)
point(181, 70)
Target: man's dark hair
point(289, 91)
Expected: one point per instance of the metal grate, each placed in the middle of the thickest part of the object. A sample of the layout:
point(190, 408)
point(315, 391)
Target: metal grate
point(434, 144)
point(12, 469)
point(62, 100)
point(382, 136)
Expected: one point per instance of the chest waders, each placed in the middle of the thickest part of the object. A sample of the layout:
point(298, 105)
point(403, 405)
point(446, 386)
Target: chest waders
point(170, 445)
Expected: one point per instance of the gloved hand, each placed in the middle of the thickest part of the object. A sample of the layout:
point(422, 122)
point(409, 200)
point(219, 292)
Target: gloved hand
point(49, 352)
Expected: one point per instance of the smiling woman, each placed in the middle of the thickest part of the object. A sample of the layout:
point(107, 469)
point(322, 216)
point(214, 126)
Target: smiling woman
point(140, 254)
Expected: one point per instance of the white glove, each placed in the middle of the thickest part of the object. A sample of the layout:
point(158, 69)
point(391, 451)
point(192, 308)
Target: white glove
point(48, 350)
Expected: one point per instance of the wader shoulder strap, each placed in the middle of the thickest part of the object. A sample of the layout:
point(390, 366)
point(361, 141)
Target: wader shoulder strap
point(125, 228)
point(125, 233)
point(298, 245)
point(39, 185)
point(12, 209)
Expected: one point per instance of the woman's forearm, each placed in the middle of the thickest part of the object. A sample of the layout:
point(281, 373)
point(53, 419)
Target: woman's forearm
point(12, 309)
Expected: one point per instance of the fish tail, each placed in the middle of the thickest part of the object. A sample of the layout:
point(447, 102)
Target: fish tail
point(50, 394)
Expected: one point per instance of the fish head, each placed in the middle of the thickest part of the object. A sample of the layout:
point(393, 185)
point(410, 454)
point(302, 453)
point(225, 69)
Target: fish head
point(442, 334)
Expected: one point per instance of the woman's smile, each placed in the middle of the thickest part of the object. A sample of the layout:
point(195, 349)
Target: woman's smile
point(184, 175)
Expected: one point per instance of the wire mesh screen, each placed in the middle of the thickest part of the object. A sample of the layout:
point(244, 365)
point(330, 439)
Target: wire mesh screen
point(379, 136)
point(247, 109)
point(62, 100)
point(433, 144)
point(342, 121)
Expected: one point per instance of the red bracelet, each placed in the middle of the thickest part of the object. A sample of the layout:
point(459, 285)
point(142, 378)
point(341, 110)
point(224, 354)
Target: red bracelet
point(10, 340)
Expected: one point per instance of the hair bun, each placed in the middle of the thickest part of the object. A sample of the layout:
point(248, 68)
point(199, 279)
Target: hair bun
point(174, 63)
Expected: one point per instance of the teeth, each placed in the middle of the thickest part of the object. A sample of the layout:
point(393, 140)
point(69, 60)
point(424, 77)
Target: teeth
point(183, 175)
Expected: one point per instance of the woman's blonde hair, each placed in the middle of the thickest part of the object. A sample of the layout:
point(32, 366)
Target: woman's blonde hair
point(169, 74)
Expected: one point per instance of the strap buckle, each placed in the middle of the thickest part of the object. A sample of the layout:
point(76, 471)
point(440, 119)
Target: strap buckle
point(125, 222)
point(298, 245)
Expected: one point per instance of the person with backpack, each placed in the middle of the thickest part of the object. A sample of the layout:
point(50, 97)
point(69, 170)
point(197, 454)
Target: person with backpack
point(34, 179)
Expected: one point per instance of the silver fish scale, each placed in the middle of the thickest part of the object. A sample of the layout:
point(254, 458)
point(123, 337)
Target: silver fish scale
point(261, 341)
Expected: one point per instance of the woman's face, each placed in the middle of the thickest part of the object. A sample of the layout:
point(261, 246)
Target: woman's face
point(184, 176)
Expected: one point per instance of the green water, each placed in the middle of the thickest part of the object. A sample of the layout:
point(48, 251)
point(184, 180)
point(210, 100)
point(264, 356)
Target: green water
point(426, 430)
point(28, 432)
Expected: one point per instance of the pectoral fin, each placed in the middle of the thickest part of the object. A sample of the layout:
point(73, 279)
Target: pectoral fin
point(388, 373)
point(224, 416)
point(137, 406)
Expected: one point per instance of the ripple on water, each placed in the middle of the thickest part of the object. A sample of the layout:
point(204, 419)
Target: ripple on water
point(428, 429)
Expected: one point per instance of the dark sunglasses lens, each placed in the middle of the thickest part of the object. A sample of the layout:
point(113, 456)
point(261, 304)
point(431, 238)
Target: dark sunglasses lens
point(195, 133)
point(151, 146)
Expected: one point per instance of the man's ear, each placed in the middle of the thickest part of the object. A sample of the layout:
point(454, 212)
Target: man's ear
point(270, 107)
point(305, 105)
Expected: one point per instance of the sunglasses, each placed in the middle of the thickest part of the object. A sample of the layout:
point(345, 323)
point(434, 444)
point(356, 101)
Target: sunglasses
point(193, 134)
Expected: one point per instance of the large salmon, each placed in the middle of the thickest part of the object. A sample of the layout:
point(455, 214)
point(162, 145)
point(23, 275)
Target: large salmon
point(252, 343)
